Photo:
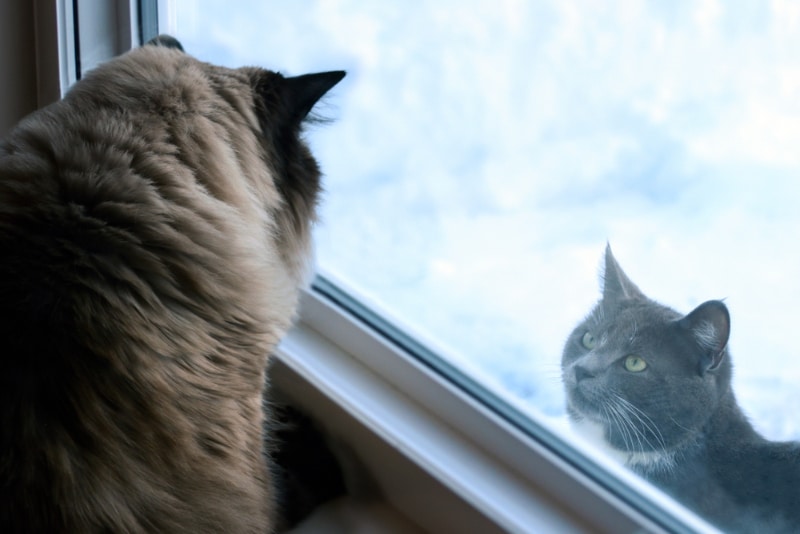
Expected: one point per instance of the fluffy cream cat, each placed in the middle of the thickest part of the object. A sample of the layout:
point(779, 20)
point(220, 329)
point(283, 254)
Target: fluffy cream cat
point(154, 228)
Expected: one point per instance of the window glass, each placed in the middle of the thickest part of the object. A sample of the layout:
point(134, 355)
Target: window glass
point(484, 152)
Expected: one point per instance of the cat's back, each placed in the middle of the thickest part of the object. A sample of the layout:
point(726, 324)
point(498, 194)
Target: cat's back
point(763, 476)
point(742, 485)
point(136, 309)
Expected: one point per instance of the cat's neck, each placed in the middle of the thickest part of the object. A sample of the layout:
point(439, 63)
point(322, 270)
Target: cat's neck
point(726, 426)
point(729, 425)
point(642, 462)
point(726, 433)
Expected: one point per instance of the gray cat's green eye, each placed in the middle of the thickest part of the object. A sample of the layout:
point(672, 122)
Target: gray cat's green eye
point(588, 341)
point(635, 364)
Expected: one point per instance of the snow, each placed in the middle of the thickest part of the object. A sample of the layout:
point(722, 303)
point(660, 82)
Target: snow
point(483, 153)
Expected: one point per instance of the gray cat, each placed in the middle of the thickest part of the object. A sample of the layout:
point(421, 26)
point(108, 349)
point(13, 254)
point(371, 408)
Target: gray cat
point(155, 230)
point(653, 388)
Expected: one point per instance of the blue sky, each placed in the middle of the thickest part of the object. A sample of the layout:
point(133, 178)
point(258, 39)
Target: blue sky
point(483, 152)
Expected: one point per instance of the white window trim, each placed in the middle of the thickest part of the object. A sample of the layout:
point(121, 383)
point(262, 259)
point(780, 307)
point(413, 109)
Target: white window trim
point(55, 49)
point(107, 28)
point(495, 470)
point(437, 454)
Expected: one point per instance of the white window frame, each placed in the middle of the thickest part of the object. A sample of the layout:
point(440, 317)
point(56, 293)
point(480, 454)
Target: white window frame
point(438, 455)
point(73, 36)
point(349, 376)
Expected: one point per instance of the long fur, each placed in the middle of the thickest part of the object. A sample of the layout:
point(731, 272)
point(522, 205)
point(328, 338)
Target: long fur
point(154, 228)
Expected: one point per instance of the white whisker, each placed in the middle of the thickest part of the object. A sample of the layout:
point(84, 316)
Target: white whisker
point(658, 458)
point(646, 421)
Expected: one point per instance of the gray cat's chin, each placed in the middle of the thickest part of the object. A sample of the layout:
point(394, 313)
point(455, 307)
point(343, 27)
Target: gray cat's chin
point(594, 433)
point(589, 428)
point(578, 408)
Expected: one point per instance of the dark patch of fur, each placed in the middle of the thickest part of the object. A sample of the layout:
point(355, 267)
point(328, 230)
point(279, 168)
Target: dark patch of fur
point(307, 474)
point(167, 41)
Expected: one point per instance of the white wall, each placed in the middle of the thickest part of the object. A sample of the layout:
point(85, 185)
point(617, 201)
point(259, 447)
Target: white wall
point(17, 62)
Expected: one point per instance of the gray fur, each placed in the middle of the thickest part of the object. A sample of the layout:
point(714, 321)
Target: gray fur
point(677, 422)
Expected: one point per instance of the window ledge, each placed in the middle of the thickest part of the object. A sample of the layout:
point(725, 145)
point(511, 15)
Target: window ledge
point(436, 454)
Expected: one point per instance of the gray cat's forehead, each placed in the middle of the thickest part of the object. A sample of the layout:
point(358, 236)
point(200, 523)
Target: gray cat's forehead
point(643, 311)
point(628, 322)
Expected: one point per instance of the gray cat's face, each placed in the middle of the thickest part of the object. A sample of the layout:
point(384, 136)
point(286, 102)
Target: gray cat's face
point(645, 375)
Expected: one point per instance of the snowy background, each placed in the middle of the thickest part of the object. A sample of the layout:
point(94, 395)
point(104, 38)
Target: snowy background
point(484, 151)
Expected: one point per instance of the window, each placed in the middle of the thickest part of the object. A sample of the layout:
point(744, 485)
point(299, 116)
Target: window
point(483, 154)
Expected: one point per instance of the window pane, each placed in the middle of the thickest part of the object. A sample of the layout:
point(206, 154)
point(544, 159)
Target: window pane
point(484, 152)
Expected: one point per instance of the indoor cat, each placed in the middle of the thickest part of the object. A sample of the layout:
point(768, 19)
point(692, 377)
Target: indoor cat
point(155, 230)
point(653, 388)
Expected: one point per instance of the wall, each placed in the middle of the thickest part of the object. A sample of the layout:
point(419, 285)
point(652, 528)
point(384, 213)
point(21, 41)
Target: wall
point(17, 62)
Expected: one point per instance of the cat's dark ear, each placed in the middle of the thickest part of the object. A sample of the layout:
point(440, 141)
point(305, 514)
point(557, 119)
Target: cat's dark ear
point(710, 325)
point(616, 284)
point(300, 93)
point(167, 41)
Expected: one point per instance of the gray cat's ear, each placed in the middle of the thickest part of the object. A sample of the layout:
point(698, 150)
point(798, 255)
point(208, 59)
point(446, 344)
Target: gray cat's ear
point(710, 325)
point(616, 284)
point(300, 93)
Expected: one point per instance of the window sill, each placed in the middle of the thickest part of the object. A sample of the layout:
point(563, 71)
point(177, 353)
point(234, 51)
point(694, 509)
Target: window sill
point(435, 454)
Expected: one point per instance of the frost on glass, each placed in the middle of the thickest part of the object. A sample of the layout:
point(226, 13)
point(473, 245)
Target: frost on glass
point(483, 154)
